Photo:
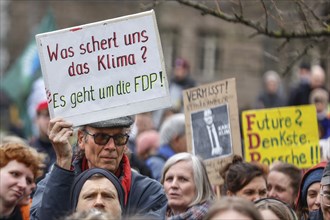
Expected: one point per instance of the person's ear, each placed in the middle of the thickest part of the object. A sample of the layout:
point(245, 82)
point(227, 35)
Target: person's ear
point(229, 193)
point(177, 137)
point(127, 150)
point(80, 139)
point(175, 140)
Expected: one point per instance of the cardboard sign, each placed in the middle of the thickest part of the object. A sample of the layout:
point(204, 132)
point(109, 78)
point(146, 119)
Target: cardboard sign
point(212, 125)
point(288, 134)
point(104, 70)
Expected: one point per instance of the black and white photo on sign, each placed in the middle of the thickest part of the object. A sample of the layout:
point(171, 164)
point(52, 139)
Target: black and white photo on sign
point(211, 132)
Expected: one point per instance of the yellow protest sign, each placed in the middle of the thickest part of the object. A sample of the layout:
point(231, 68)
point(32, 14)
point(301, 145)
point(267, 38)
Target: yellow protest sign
point(288, 134)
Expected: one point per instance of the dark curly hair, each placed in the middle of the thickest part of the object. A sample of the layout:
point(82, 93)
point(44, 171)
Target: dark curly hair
point(238, 174)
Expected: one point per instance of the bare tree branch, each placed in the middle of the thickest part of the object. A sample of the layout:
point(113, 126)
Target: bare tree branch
point(271, 56)
point(297, 58)
point(240, 7)
point(281, 33)
point(322, 23)
point(148, 6)
point(266, 14)
point(253, 34)
point(277, 10)
point(283, 44)
point(307, 25)
point(278, 16)
point(218, 6)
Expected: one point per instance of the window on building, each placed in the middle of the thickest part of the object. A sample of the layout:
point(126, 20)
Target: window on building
point(169, 39)
point(209, 54)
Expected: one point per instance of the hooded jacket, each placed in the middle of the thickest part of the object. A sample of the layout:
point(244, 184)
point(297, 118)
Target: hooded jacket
point(143, 196)
point(312, 176)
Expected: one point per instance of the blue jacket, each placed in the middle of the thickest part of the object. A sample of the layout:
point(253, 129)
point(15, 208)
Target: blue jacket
point(157, 162)
point(52, 197)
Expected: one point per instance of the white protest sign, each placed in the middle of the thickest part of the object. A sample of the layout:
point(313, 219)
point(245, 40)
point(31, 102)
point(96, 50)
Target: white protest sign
point(104, 70)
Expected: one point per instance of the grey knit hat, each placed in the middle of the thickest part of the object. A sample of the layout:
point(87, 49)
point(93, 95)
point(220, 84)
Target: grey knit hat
point(326, 175)
point(125, 121)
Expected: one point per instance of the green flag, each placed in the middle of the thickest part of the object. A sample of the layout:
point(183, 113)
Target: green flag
point(16, 83)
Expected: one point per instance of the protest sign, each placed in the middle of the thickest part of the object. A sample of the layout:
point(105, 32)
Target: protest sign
point(104, 70)
point(288, 134)
point(212, 125)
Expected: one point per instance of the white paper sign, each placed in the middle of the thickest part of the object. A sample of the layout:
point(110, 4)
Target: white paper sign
point(104, 70)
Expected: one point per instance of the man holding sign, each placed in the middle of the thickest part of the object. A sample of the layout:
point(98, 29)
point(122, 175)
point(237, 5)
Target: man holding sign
point(102, 67)
point(101, 145)
point(95, 75)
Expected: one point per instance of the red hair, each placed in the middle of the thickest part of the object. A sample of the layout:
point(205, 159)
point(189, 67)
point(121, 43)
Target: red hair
point(23, 154)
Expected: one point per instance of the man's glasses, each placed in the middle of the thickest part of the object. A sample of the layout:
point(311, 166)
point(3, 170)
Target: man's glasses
point(325, 197)
point(103, 139)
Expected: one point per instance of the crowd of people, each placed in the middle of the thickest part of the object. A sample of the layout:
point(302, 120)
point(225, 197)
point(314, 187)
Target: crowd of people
point(100, 184)
point(310, 89)
point(135, 167)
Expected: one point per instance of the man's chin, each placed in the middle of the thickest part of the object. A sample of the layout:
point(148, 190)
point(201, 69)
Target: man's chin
point(110, 167)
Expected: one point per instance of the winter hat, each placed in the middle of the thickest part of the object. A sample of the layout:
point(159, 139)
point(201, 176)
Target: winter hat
point(42, 106)
point(313, 177)
point(180, 62)
point(86, 175)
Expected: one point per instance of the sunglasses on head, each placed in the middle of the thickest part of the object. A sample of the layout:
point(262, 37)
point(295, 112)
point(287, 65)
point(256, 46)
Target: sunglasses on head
point(103, 139)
